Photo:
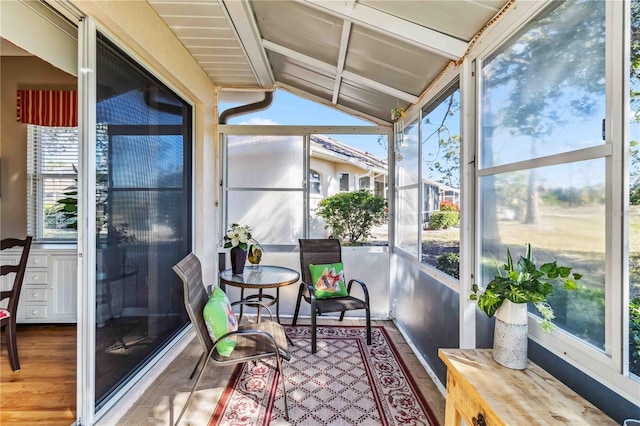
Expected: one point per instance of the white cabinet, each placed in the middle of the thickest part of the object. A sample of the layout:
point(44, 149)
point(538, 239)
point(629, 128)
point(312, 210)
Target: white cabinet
point(49, 290)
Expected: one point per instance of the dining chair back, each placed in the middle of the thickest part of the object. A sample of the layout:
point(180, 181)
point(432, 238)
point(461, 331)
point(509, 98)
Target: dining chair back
point(9, 314)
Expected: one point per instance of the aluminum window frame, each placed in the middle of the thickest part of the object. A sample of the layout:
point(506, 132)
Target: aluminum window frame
point(287, 130)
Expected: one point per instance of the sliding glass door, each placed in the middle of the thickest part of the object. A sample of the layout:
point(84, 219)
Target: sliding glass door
point(143, 216)
point(135, 219)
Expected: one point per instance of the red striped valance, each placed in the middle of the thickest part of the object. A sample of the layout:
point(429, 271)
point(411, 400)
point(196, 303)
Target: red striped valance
point(55, 108)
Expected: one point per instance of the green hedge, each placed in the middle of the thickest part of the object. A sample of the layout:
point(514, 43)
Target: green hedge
point(443, 220)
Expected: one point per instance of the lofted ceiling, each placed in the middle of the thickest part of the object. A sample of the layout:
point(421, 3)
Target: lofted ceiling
point(364, 57)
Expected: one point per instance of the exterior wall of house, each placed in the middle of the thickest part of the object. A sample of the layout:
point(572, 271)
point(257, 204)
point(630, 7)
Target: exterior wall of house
point(20, 72)
point(330, 177)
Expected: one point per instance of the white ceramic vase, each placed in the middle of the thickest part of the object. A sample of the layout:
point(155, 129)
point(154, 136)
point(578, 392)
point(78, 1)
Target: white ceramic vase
point(510, 335)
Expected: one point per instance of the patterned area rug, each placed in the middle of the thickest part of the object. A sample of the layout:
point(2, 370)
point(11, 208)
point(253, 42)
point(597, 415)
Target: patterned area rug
point(345, 382)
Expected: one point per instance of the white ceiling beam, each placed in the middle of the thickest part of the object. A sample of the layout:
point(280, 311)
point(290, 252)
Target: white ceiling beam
point(300, 57)
point(243, 24)
point(342, 56)
point(318, 99)
point(350, 3)
point(385, 23)
point(371, 84)
point(328, 68)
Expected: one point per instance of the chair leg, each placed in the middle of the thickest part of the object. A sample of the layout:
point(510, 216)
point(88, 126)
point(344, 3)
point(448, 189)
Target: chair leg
point(368, 326)
point(284, 390)
point(195, 385)
point(295, 314)
point(313, 328)
point(12, 346)
point(195, 367)
point(342, 315)
point(241, 306)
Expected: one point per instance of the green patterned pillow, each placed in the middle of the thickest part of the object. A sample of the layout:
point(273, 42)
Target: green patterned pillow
point(220, 319)
point(328, 280)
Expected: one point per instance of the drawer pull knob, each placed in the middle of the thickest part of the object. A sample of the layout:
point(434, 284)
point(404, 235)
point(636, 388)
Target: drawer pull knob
point(35, 294)
point(34, 312)
point(36, 261)
point(479, 421)
point(35, 278)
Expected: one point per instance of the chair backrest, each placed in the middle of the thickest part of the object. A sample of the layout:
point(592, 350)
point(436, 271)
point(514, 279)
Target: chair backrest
point(19, 270)
point(189, 270)
point(318, 251)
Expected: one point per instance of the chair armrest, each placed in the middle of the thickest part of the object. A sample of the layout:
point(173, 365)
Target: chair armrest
point(310, 288)
point(254, 332)
point(364, 289)
point(254, 304)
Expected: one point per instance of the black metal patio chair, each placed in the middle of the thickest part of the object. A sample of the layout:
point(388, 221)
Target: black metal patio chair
point(326, 251)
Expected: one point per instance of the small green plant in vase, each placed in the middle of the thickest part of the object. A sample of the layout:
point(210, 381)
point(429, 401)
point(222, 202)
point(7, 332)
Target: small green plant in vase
point(524, 282)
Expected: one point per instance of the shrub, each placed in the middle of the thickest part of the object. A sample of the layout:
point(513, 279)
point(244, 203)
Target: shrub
point(448, 206)
point(634, 194)
point(351, 215)
point(634, 336)
point(443, 220)
point(449, 263)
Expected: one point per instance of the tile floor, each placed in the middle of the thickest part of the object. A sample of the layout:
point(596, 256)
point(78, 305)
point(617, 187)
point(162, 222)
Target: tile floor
point(162, 402)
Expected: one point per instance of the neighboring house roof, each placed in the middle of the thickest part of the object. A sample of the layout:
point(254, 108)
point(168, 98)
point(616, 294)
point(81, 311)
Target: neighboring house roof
point(439, 185)
point(337, 150)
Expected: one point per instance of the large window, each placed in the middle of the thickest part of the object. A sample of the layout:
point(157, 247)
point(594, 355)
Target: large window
point(440, 183)
point(51, 168)
point(543, 101)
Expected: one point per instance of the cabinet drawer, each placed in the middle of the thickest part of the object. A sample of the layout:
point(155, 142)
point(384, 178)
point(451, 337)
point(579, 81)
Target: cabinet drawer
point(34, 294)
point(37, 261)
point(35, 277)
point(35, 312)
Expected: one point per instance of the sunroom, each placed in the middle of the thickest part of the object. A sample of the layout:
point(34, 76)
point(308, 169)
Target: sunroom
point(517, 115)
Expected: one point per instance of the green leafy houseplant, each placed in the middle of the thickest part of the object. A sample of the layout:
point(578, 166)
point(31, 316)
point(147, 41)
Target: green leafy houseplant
point(524, 282)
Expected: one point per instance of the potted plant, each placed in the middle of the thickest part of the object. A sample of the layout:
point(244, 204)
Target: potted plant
point(506, 297)
point(238, 239)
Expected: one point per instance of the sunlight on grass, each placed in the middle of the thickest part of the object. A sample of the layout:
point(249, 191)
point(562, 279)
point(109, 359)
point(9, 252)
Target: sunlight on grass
point(560, 230)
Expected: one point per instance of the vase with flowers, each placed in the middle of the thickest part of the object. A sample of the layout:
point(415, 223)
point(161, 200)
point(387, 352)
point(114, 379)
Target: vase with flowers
point(238, 239)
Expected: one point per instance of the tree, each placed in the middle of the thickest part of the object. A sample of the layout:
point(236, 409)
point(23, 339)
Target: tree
point(351, 215)
point(538, 88)
point(445, 162)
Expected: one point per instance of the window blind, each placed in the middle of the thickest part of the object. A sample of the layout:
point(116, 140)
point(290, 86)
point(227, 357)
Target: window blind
point(52, 158)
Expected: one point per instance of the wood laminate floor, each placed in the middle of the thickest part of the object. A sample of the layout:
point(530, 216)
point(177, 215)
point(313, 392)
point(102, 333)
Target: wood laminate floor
point(43, 391)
